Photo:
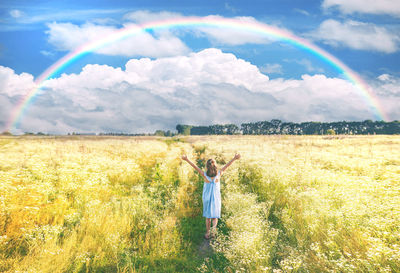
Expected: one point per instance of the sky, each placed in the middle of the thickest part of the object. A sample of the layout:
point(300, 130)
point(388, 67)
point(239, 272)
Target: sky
point(198, 75)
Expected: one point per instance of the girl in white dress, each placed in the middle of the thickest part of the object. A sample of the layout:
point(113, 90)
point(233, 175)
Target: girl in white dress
point(211, 191)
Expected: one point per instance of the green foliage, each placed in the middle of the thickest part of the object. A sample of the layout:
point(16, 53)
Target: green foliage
point(159, 133)
point(183, 129)
point(330, 132)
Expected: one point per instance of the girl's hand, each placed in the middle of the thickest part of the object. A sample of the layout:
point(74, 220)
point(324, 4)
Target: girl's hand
point(237, 156)
point(184, 157)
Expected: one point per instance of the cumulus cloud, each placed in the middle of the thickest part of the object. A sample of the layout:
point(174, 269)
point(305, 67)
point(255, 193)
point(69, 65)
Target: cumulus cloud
point(320, 98)
point(234, 36)
point(388, 84)
point(202, 88)
point(388, 89)
point(391, 7)
point(12, 87)
point(158, 42)
point(68, 37)
point(357, 35)
point(218, 34)
point(12, 84)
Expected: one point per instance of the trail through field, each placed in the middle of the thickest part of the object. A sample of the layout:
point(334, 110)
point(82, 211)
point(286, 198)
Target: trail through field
point(205, 248)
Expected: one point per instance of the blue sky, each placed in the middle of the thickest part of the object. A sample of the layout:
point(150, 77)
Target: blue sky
point(293, 84)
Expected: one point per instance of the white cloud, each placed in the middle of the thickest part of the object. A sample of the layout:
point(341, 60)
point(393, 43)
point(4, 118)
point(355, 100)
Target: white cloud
point(384, 77)
point(12, 87)
point(306, 63)
point(166, 75)
point(302, 11)
point(162, 42)
point(271, 69)
point(12, 84)
point(68, 36)
point(15, 13)
point(319, 98)
point(388, 89)
point(388, 84)
point(218, 34)
point(145, 16)
point(206, 87)
point(357, 35)
point(234, 36)
point(391, 7)
point(46, 53)
point(38, 16)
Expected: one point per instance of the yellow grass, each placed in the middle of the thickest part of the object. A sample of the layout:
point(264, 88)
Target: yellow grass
point(115, 204)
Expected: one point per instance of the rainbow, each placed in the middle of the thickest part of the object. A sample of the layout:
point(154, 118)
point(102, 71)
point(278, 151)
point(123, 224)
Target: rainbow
point(255, 27)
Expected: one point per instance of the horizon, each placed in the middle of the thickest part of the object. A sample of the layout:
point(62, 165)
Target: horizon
point(175, 131)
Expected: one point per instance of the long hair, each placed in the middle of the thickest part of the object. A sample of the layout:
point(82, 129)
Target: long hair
point(211, 168)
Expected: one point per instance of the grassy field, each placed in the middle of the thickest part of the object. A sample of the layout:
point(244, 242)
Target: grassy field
point(129, 204)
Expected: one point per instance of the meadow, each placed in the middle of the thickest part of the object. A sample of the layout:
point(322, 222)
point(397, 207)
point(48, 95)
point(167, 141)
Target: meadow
point(129, 204)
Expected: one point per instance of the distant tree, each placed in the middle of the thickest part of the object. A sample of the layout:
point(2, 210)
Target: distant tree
point(330, 132)
point(217, 129)
point(232, 129)
point(276, 126)
point(200, 130)
point(159, 133)
point(6, 133)
point(183, 129)
point(394, 128)
point(246, 128)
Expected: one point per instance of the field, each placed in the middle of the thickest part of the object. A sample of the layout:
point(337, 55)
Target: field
point(129, 204)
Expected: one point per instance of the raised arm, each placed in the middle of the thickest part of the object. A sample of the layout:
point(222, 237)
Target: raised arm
point(237, 156)
point(184, 157)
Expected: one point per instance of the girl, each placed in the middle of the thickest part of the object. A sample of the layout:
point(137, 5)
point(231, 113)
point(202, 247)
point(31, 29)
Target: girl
point(211, 191)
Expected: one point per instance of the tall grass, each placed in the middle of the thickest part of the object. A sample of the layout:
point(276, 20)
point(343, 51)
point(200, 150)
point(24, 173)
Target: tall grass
point(333, 204)
point(77, 205)
point(291, 204)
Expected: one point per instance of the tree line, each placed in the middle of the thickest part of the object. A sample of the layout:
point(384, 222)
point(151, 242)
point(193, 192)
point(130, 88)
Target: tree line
point(278, 127)
point(273, 127)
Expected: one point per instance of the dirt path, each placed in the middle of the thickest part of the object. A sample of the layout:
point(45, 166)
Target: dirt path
point(205, 249)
